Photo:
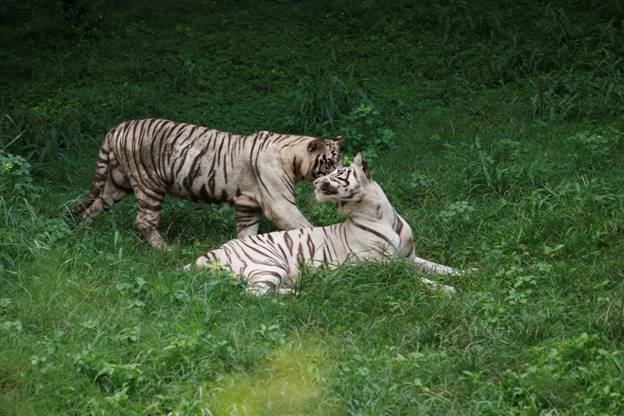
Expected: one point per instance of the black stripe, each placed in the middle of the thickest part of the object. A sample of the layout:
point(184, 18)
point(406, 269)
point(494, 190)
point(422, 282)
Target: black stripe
point(370, 230)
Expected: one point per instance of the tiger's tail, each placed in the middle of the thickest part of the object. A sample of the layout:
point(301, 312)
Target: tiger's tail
point(99, 178)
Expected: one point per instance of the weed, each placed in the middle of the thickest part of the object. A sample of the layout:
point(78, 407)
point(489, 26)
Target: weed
point(600, 147)
point(15, 176)
point(502, 169)
point(291, 380)
point(554, 99)
point(322, 101)
point(461, 210)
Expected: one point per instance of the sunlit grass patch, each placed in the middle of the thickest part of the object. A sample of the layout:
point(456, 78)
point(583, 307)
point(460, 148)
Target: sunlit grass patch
point(290, 381)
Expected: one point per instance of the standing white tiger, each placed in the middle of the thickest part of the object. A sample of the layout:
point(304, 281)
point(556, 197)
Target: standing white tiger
point(372, 230)
point(254, 173)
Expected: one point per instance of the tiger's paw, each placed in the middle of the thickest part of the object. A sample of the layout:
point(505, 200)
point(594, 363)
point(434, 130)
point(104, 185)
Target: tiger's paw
point(160, 245)
point(448, 290)
point(286, 290)
point(258, 290)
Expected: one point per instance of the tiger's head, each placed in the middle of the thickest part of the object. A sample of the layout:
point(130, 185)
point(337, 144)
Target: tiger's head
point(323, 157)
point(345, 184)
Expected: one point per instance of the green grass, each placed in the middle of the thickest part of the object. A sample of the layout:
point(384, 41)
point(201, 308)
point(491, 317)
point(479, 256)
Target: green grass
point(497, 133)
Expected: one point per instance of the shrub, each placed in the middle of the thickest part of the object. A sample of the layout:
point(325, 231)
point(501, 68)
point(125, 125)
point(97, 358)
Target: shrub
point(331, 106)
point(321, 101)
point(365, 132)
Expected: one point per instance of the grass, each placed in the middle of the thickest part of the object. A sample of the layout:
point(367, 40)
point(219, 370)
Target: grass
point(494, 127)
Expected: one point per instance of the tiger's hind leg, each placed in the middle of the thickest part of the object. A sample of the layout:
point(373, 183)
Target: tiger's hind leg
point(149, 203)
point(205, 261)
point(247, 221)
point(116, 187)
point(262, 281)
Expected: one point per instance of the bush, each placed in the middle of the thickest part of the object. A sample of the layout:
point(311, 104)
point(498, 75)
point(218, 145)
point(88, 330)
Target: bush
point(321, 101)
point(331, 106)
point(365, 132)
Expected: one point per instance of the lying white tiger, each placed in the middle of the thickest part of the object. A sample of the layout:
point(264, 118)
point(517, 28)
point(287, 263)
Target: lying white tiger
point(373, 230)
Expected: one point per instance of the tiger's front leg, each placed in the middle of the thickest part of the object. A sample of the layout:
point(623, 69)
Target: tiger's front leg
point(261, 282)
point(247, 221)
point(280, 206)
point(435, 268)
point(285, 215)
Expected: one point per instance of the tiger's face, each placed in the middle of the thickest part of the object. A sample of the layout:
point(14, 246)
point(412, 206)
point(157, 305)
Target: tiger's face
point(344, 184)
point(327, 157)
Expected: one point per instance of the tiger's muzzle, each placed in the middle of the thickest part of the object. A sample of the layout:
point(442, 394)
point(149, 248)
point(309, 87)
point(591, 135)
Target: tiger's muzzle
point(325, 187)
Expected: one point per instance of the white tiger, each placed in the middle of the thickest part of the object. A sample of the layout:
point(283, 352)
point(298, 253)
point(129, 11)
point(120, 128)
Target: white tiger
point(254, 173)
point(373, 230)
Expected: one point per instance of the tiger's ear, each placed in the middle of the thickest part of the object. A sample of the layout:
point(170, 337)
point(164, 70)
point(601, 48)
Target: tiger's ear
point(362, 164)
point(338, 139)
point(316, 145)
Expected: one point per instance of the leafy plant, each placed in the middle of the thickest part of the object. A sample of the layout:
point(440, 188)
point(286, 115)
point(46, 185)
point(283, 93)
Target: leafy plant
point(362, 126)
point(11, 328)
point(461, 210)
point(325, 214)
point(332, 106)
point(554, 366)
point(600, 145)
point(419, 181)
point(15, 176)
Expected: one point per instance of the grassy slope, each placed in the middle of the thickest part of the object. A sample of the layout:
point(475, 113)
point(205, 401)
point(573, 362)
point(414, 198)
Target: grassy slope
point(94, 321)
